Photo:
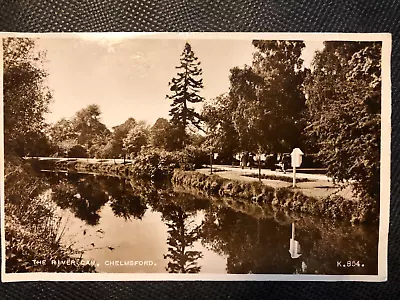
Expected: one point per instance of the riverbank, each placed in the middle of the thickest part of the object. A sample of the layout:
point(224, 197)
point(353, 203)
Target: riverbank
point(152, 164)
point(279, 195)
point(314, 196)
point(33, 229)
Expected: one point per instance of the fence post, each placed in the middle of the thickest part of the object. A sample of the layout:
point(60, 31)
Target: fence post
point(211, 162)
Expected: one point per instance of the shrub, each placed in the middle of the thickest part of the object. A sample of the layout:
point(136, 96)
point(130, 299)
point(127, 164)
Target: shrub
point(77, 151)
point(196, 156)
point(159, 164)
point(32, 226)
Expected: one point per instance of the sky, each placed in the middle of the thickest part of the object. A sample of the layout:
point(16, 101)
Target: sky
point(129, 77)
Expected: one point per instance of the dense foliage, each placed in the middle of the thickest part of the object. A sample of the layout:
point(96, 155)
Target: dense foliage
point(32, 226)
point(344, 100)
point(263, 110)
point(26, 98)
point(84, 130)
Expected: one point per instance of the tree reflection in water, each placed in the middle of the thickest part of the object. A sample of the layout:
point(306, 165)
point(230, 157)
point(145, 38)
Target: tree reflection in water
point(251, 244)
point(85, 196)
point(123, 201)
point(247, 242)
point(261, 245)
point(182, 235)
point(82, 195)
point(179, 215)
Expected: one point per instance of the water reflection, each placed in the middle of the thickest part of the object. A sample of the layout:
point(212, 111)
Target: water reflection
point(196, 234)
point(294, 248)
point(179, 215)
point(124, 202)
point(182, 234)
point(295, 252)
point(247, 242)
point(82, 195)
point(86, 195)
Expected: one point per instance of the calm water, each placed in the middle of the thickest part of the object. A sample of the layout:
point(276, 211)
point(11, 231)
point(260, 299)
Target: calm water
point(157, 229)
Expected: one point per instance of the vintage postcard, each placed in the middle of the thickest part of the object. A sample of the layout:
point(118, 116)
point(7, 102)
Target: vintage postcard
point(195, 156)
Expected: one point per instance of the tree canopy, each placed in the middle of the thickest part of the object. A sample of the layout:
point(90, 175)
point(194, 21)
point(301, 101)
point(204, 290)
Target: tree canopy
point(26, 96)
point(222, 136)
point(87, 124)
point(136, 138)
point(263, 110)
point(115, 144)
point(343, 99)
point(84, 129)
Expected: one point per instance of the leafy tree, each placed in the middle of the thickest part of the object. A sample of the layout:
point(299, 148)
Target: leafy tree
point(197, 139)
point(63, 136)
point(185, 90)
point(166, 136)
point(136, 138)
point(222, 136)
point(120, 132)
point(84, 129)
point(26, 97)
point(98, 147)
point(269, 97)
point(159, 134)
point(113, 147)
point(62, 130)
point(264, 109)
point(343, 99)
point(87, 125)
point(63, 147)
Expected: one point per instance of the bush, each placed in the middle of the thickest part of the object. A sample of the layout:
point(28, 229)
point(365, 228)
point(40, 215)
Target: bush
point(159, 164)
point(32, 226)
point(77, 151)
point(196, 156)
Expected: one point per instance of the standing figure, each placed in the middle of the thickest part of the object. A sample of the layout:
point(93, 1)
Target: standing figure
point(285, 162)
point(282, 162)
point(244, 159)
point(251, 160)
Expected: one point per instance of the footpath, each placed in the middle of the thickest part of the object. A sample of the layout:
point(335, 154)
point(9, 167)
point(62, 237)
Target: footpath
point(318, 185)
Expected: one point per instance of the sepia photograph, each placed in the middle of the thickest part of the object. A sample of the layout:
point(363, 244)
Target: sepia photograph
point(218, 156)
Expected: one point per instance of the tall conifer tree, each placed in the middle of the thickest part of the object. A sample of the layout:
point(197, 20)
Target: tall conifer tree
point(185, 88)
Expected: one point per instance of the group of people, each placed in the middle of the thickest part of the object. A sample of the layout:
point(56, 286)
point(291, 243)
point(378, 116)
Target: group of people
point(249, 159)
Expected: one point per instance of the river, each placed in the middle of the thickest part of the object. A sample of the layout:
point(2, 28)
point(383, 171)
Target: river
point(127, 226)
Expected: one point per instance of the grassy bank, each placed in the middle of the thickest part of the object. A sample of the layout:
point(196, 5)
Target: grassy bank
point(179, 168)
point(284, 198)
point(151, 164)
point(33, 228)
